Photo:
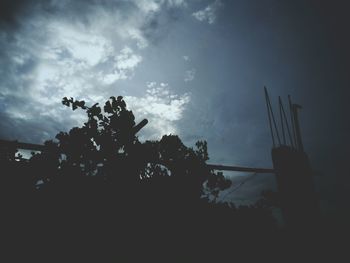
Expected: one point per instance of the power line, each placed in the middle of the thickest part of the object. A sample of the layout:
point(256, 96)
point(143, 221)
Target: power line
point(239, 185)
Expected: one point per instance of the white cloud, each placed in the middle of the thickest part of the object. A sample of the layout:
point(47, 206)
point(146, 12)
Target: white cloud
point(189, 75)
point(81, 55)
point(186, 58)
point(127, 59)
point(151, 84)
point(162, 108)
point(136, 34)
point(176, 3)
point(148, 6)
point(208, 14)
point(85, 46)
point(123, 66)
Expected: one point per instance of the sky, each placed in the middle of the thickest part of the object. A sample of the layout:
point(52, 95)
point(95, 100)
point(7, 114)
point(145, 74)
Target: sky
point(193, 68)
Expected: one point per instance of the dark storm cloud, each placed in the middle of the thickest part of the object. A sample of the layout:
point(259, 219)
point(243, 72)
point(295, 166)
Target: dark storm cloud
point(13, 14)
point(32, 127)
point(9, 12)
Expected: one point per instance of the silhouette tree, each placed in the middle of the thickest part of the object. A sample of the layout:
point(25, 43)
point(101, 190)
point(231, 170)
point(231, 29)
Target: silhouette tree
point(107, 146)
point(99, 182)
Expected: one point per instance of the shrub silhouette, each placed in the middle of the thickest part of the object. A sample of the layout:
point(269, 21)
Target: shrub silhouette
point(98, 188)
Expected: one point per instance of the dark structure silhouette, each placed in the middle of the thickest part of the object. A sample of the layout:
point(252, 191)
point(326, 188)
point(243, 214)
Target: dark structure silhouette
point(97, 191)
point(293, 172)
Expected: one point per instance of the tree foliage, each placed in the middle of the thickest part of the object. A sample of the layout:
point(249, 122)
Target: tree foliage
point(102, 180)
point(107, 146)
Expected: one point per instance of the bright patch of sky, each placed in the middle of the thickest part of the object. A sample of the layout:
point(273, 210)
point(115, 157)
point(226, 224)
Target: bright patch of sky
point(208, 14)
point(87, 58)
point(161, 107)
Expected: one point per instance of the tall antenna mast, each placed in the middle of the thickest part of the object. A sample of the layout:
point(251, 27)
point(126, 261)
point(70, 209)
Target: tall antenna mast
point(292, 121)
point(271, 119)
point(296, 107)
point(284, 121)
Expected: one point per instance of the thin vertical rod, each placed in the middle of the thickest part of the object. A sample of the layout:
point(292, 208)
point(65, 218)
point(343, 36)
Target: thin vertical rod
point(297, 127)
point(282, 122)
point(274, 122)
point(286, 122)
point(271, 117)
point(292, 120)
point(269, 114)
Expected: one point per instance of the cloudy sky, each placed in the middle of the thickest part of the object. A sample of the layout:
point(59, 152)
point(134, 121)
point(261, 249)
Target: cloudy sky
point(193, 68)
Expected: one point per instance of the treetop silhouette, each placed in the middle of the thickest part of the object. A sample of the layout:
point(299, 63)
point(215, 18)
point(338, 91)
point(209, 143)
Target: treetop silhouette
point(102, 179)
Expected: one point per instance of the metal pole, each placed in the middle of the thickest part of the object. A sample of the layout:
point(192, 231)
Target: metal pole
point(281, 116)
point(292, 120)
point(286, 122)
point(271, 117)
point(240, 169)
point(297, 126)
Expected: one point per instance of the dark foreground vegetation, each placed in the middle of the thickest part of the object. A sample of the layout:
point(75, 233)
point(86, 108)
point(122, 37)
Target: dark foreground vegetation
point(97, 194)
